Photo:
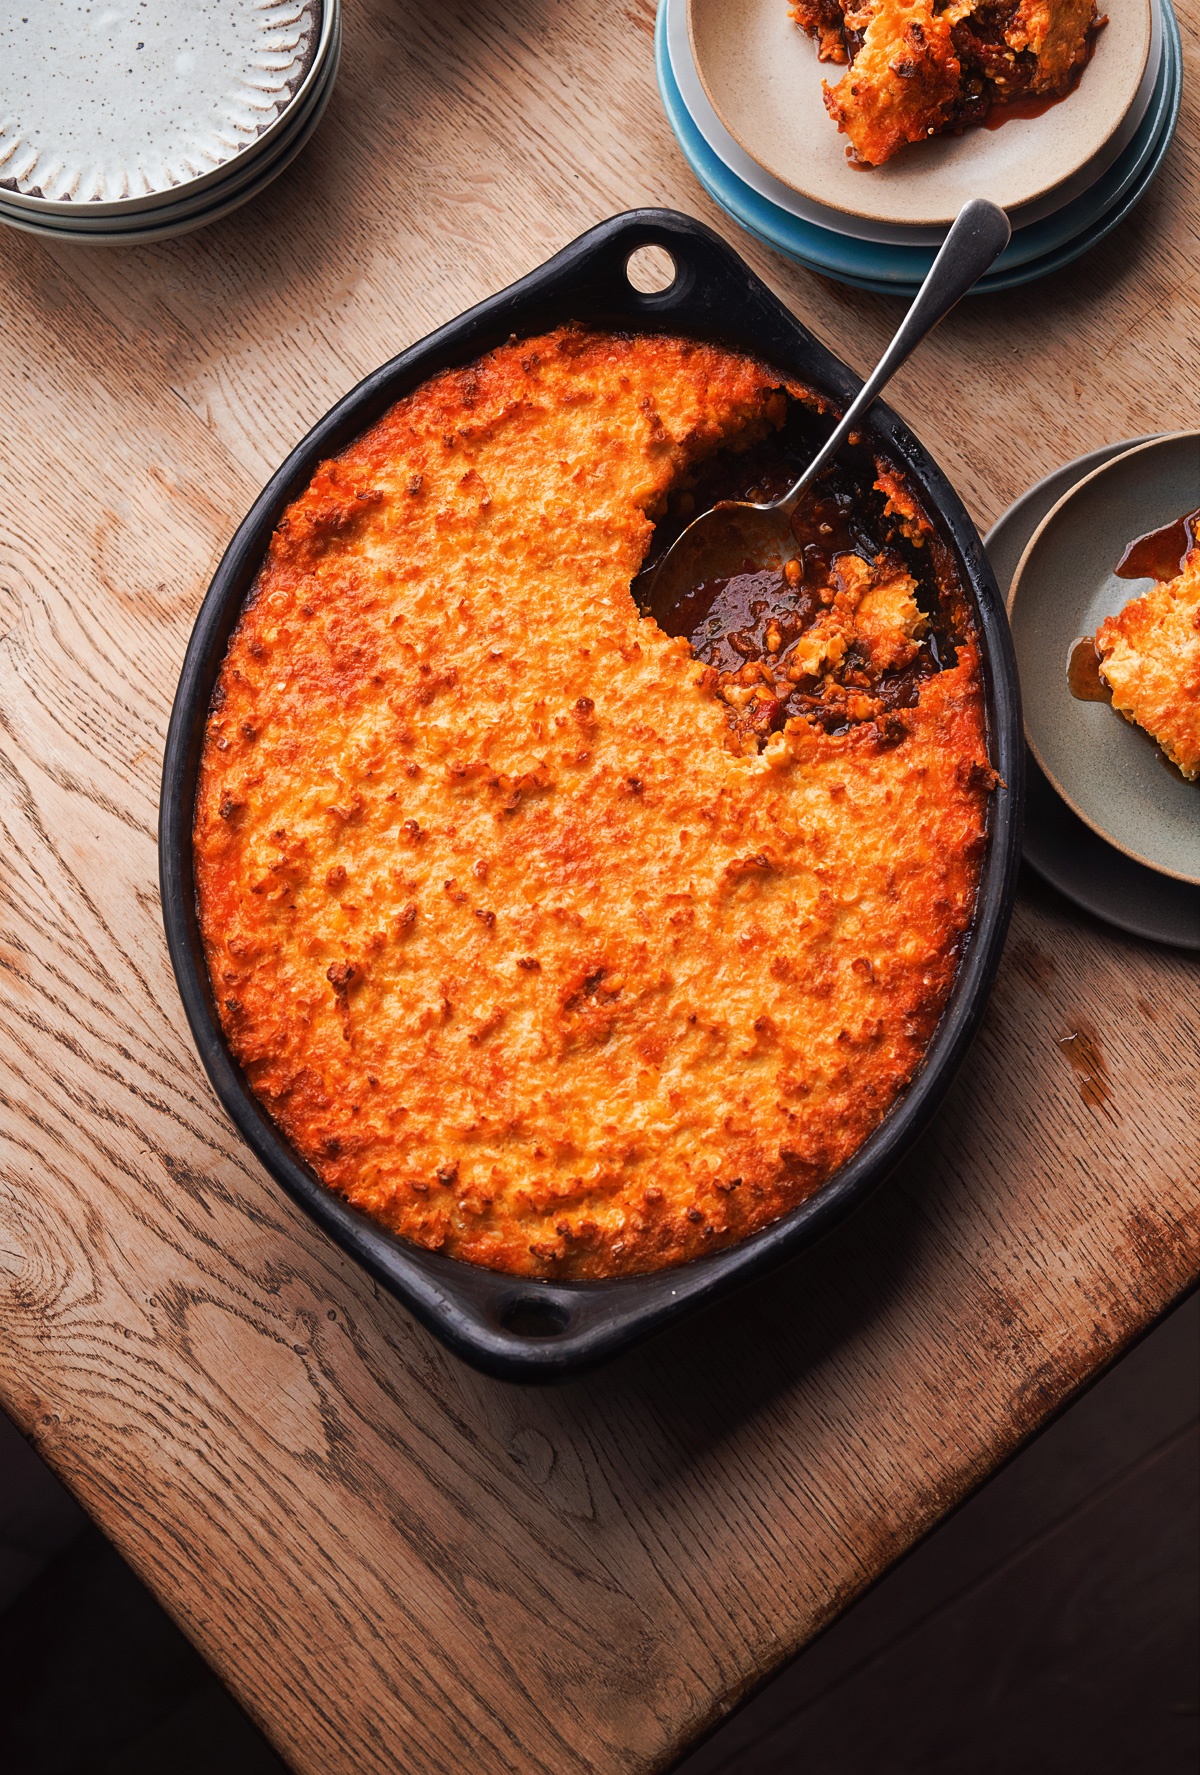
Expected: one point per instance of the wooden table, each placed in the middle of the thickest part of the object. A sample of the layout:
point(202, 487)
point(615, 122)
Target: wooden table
point(395, 1563)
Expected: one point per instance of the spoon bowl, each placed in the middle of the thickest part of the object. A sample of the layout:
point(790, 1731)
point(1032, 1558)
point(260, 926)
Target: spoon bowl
point(734, 538)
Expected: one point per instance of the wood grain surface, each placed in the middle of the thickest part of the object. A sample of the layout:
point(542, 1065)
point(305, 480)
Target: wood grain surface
point(397, 1564)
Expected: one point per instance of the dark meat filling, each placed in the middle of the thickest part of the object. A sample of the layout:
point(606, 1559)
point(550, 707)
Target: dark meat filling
point(992, 74)
point(860, 526)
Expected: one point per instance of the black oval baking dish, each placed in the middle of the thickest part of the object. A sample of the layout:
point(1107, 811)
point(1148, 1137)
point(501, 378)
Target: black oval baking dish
point(512, 1327)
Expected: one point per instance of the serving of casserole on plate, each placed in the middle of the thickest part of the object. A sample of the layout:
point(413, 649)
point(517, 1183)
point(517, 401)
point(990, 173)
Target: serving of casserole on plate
point(543, 938)
point(1084, 607)
point(920, 70)
point(897, 138)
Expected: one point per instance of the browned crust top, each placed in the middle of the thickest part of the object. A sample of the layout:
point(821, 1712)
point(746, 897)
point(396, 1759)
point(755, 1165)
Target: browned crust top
point(524, 955)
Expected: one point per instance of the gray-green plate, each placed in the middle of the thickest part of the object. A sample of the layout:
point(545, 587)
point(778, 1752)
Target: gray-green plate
point(1057, 844)
point(1108, 771)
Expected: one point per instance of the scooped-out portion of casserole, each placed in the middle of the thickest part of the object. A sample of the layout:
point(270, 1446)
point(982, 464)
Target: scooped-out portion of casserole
point(920, 69)
point(556, 942)
point(1150, 658)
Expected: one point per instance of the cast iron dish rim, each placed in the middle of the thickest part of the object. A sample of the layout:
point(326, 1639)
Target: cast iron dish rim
point(515, 1327)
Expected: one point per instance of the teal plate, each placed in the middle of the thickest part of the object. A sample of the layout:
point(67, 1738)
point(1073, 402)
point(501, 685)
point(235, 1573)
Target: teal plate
point(897, 270)
point(1030, 239)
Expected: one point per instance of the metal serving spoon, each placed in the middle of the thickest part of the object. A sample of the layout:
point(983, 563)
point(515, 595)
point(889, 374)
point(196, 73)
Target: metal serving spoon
point(719, 542)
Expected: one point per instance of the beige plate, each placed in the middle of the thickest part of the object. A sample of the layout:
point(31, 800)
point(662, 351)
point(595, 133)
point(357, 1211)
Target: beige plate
point(763, 79)
point(1110, 772)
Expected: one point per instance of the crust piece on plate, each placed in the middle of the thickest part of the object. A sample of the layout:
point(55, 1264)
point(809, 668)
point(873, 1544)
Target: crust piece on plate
point(1150, 659)
point(919, 69)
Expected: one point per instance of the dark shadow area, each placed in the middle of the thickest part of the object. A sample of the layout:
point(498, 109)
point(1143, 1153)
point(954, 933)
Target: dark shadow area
point(1051, 1624)
point(96, 1680)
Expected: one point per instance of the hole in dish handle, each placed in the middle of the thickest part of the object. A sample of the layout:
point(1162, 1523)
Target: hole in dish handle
point(652, 270)
point(527, 1316)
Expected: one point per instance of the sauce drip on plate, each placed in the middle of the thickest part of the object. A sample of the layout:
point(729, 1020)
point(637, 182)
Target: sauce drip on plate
point(1160, 554)
point(1083, 672)
point(1011, 110)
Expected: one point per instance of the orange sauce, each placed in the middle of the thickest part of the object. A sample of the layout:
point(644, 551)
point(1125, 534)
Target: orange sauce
point(1160, 554)
point(1008, 110)
point(1083, 672)
point(1085, 1057)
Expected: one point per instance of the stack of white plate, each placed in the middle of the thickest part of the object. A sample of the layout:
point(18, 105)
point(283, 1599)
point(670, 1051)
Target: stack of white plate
point(741, 85)
point(134, 120)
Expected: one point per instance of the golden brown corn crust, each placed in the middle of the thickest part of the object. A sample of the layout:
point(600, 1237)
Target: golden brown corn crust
point(1150, 657)
point(918, 69)
point(523, 954)
point(902, 84)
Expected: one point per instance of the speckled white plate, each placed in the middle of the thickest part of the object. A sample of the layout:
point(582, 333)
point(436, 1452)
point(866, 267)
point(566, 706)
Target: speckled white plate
point(197, 204)
point(761, 75)
point(108, 108)
point(1108, 771)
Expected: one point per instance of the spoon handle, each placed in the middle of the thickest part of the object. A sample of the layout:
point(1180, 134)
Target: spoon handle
point(980, 234)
